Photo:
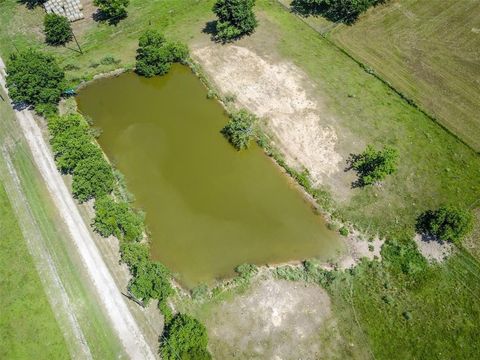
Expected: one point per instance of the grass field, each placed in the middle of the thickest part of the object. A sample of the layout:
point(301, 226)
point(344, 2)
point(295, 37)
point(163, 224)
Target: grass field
point(429, 50)
point(443, 312)
point(28, 328)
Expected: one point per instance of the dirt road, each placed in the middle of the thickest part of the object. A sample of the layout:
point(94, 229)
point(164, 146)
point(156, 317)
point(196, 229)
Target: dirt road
point(119, 314)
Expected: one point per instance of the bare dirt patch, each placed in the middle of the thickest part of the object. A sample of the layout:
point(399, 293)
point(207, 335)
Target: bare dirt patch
point(358, 248)
point(275, 92)
point(433, 249)
point(274, 319)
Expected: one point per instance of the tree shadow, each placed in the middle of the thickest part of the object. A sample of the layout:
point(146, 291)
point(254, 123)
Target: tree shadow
point(352, 158)
point(211, 29)
point(31, 4)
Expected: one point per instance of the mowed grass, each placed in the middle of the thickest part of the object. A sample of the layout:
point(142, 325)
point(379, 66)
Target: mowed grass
point(28, 328)
point(430, 51)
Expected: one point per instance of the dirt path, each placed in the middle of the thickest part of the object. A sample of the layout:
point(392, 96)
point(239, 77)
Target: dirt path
point(115, 307)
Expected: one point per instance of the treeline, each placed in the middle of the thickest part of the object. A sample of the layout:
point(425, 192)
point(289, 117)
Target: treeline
point(345, 11)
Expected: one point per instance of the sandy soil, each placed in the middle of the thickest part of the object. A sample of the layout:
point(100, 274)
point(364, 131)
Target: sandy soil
point(119, 314)
point(433, 249)
point(274, 319)
point(358, 248)
point(275, 92)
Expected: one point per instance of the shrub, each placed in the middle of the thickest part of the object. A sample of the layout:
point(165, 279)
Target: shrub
point(403, 258)
point(112, 10)
point(92, 178)
point(134, 254)
point(118, 219)
point(447, 223)
point(374, 165)
point(246, 271)
point(70, 141)
point(200, 292)
point(58, 30)
point(109, 60)
point(34, 78)
point(235, 18)
point(343, 231)
point(184, 338)
point(240, 129)
point(151, 281)
point(155, 55)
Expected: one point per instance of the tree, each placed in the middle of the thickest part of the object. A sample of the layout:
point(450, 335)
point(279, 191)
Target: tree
point(58, 30)
point(134, 254)
point(155, 54)
point(70, 141)
point(92, 178)
point(240, 129)
point(118, 219)
point(112, 10)
point(235, 19)
point(184, 338)
point(346, 11)
point(447, 223)
point(34, 78)
point(374, 165)
point(151, 281)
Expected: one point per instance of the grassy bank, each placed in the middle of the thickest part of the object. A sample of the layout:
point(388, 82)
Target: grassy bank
point(28, 328)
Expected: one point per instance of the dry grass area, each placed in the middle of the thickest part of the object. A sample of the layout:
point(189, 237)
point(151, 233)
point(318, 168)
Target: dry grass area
point(275, 319)
point(430, 51)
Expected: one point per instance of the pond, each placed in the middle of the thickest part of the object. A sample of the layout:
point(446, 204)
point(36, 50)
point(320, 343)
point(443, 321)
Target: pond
point(208, 207)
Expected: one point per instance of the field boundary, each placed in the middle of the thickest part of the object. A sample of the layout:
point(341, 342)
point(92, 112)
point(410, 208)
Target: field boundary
point(372, 72)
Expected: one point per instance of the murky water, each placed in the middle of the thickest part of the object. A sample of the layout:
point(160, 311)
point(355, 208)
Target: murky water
point(209, 207)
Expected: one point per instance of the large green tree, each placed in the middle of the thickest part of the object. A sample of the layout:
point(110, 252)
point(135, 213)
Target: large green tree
point(235, 18)
point(374, 165)
point(118, 219)
point(92, 178)
point(70, 141)
point(346, 11)
point(112, 10)
point(155, 54)
point(240, 129)
point(184, 338)
point(58, 30)
point(447, 223)
point(34, 78)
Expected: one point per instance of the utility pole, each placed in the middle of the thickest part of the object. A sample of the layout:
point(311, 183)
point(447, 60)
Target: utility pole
point(75, 38)
point(73, 34)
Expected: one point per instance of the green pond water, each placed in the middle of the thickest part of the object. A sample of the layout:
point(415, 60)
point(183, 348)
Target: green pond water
point(208, 207)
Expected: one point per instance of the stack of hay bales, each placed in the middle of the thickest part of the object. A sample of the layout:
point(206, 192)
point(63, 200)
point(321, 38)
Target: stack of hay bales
point(71, 9)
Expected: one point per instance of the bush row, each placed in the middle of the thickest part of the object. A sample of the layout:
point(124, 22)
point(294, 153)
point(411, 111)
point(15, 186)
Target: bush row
point(93, 178)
